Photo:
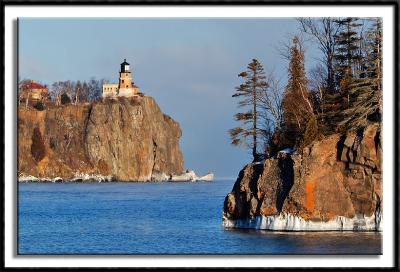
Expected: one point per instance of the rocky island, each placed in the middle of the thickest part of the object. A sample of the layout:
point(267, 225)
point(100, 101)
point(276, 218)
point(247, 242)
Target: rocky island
point(332, 184)
point(125, 139)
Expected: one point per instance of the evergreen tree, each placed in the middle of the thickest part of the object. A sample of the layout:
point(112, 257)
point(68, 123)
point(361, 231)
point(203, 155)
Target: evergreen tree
point(347, 55)
point(332, 115)
point(65, 99)
point(365, 91)
point(249, 132)
point(346, 60)
point(297, 105)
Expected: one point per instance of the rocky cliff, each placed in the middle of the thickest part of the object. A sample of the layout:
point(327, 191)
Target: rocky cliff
point(333, 184)
point(127, 140)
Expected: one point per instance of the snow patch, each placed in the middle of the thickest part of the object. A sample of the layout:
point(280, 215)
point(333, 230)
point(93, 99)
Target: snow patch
point(287, 150)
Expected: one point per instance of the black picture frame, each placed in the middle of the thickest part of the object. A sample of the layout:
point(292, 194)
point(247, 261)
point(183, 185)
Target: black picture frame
point(396, 165)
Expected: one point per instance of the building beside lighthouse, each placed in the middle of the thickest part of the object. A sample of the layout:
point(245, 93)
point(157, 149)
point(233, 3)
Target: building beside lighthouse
point(124, 87)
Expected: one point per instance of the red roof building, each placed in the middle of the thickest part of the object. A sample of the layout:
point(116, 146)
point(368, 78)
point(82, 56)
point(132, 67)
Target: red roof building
point(33, 91)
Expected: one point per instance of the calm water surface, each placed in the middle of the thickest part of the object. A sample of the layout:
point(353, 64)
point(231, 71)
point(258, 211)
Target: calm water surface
point(156, 218)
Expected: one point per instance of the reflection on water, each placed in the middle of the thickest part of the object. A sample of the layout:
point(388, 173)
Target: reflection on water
point(157, 218)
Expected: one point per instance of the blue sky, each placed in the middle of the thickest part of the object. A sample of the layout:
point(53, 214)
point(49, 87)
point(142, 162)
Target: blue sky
point(189, 66)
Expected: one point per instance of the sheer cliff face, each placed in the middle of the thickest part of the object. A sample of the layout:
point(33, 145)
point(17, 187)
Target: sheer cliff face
point(128, 141)
point(329, 182)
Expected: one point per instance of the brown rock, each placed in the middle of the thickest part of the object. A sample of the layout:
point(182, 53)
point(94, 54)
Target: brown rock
point(350, 155)
point(355, 166)
point(230, 205)
point(344, 156)
point(349, 141)
point(253, 207)
point(121, 139)
point(313, 184)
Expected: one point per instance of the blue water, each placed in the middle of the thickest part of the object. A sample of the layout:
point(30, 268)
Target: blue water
point(156, 218)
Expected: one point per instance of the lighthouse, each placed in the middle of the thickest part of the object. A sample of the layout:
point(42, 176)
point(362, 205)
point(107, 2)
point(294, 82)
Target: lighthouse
point(125, 86)
point(125, 80)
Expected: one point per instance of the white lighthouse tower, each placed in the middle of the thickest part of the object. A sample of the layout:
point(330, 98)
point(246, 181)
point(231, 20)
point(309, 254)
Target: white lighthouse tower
point(125, 86)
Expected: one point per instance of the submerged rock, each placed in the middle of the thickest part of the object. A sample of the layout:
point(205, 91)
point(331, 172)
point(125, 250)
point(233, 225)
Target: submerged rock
point(333, 184)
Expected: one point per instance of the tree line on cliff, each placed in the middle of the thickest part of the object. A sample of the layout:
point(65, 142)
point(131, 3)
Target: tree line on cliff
point(65, 92)
point(342, 92)
point(77, 91)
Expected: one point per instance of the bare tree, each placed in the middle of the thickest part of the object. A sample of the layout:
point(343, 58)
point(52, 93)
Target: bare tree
point(270, 106)
point(56, 92)
point(78, 88)
point(324, 30)
point(27, 99)
point(84, 93)
point(95, 88)
point(317, 81)
point(69, 88)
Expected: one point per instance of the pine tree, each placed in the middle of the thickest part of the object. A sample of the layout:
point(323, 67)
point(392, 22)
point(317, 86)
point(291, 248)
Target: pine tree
point(365, 91)
point(297, 106)
point(346, 60)
point(346, 56)
point(249, 132)
point(332, 115)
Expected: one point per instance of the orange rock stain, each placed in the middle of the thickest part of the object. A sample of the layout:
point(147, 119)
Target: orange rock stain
point(309, 195)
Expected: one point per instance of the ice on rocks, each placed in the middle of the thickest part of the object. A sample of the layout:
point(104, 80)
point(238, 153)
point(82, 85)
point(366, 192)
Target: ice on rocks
point(159, 177)
point(79, 177)
point(207, 177)
point(288, 222)
point(189, 175)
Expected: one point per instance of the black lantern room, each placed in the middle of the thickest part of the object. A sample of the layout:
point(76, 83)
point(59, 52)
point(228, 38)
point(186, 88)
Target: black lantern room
point(125, 67)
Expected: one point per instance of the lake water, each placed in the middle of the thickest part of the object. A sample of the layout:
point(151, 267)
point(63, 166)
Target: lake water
point(156, 218)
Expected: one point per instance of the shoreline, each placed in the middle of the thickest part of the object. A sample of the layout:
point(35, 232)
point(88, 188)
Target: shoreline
point(189, 176)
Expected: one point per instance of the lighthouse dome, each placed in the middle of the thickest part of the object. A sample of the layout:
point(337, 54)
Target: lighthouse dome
point(125, 67)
